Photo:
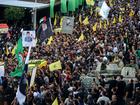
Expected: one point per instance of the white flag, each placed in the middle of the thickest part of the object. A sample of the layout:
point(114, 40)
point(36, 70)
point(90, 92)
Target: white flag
point(104, 11)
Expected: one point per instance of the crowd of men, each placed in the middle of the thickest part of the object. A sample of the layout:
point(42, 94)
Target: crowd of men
point(113, 41)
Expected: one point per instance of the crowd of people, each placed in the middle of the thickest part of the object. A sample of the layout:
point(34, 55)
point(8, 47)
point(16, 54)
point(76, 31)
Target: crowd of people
point(114, 41)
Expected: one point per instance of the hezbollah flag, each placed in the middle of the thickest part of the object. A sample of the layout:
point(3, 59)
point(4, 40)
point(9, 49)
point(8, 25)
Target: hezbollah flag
point(44, 63)
point(61, 21)
point(114, 20)
point(55, 102)
point(81, 38)
point(55, 66)
point(94, 27)
point(7, 51)
point(120, 18)
point(100, 24)
point(55, 20)
point(86, 21)
point(50, 40)
point(131, 13)
point(13, 50)
point(90, 2)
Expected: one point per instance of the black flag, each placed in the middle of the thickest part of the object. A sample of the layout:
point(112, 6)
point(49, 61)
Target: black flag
point(45, 30)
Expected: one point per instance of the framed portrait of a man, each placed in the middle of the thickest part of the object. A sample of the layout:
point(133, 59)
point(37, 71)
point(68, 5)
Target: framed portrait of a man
point(28, 38)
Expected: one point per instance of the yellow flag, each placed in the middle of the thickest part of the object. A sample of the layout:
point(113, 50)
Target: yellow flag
point(131, 13)
point(31, 66)
point(7, 51)
point(97, 11)
point(105, 25)
point(100, 24)
point(55, 66)
point(110, 2)
point(108, 22)
point(120, 18)
point(80, 19)
point(61, 21)
point(55, 21)
point(114, 20)
point(90, 2)
point(57, 30)
point(55, 102)
point(91, 11)
point(13, 50)
point(94, 27)
point(86, 22)
point(50, 40)
point(81, 37)
point(122, 9)
point(44, 63)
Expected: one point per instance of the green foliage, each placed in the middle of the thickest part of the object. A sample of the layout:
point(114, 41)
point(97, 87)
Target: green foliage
point(14, 13)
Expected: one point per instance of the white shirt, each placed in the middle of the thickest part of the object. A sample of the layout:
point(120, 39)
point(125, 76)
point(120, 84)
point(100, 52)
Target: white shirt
point(103, 98)
point(115, 49)
point(124, 45)
point(105, 59)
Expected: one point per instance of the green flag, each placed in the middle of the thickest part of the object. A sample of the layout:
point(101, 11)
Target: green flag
point(52, 2)
point(76, 3)
point(71, 5)
point(17, 73)
point(19, 50)
point(80, 2)
point(64, 6)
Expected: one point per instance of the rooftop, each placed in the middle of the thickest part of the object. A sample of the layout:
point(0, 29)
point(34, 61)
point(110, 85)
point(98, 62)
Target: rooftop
point(25, 4)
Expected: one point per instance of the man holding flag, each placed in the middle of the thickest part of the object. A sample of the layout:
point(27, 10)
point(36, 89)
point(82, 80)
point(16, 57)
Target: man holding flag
point(21, 92)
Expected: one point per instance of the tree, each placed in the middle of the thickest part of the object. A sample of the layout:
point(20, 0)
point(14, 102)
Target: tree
point(14, 13)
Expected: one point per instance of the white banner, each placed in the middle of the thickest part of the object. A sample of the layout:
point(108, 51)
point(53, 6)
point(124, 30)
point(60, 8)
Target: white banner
point(2, 71)
point(33, 76)
point(128, 72)
point(28, 38)
point(104, 11)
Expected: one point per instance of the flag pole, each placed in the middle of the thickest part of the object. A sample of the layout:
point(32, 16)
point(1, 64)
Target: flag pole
point(28, 55)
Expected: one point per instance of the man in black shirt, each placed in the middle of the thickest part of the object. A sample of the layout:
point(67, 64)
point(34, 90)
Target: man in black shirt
point(129, 90)
point(137, 84)
point(112, 84)
point(121, 85)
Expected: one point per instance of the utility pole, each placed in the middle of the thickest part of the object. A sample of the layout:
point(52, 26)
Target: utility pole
point(34, 16)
